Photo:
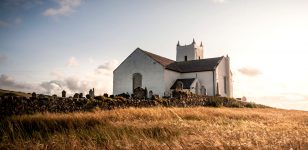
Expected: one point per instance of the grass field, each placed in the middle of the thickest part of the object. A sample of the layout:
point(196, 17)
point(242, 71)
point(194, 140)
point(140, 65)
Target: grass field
point(159, 128)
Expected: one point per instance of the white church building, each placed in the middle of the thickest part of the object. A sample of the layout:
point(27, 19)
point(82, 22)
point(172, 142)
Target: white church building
point(190, 72)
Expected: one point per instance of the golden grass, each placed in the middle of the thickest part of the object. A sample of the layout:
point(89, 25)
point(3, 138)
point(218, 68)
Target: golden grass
point(159, 128)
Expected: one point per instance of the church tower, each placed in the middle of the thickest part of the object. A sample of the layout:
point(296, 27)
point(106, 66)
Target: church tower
point(189, 52)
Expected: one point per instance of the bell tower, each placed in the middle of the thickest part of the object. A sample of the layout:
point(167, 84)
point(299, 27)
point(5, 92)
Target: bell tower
point(189, 52)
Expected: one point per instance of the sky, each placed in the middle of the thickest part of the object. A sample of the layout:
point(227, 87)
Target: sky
point(50, 45)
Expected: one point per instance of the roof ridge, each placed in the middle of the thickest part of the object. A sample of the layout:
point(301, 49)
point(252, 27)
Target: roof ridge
point(160, 59)
point(209, 64)
point(155, 54)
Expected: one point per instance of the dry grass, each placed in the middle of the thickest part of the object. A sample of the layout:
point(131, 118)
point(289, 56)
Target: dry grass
point(159, 128)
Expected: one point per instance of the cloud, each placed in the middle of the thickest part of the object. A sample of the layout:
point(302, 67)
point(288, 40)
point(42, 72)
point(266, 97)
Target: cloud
point(8, 82)
point(249, 71)
point(4, 24)
point(100, 79)
point(2, 58)
point(72, 61)
point(107, 68)
point(52, 87)
point(65, 8)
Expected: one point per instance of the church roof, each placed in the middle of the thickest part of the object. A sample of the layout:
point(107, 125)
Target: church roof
point(209, 64)
point(186, 83)
point(161, 60)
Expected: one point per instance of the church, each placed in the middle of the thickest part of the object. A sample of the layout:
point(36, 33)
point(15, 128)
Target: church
point(191, 73)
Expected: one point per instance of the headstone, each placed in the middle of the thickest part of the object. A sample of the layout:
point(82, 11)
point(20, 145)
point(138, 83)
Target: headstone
point(63, 93)
point(76, 95)
point(33, 95)
point(139, 93)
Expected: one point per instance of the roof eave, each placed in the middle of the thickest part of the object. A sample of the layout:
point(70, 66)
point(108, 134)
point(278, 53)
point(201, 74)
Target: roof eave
point(190, 71)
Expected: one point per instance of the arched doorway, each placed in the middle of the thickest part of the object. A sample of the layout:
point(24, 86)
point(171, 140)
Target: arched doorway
point(137, 80)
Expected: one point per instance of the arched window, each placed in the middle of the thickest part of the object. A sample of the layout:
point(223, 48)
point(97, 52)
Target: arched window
point(203, 90)
point(137, 80)
point(179, 85)
point(197, 88)
point(150, 94)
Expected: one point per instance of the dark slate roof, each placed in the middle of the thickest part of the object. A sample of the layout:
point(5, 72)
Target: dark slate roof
point(209, 64)
point(161, 60)
point(186, 83)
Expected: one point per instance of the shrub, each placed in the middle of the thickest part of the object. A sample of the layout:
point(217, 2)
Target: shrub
point(214, 102)
point(105, 95)
point(120, 98)
point(99, 97)
point(235, 104)
point(251, 105)
point(124, 95)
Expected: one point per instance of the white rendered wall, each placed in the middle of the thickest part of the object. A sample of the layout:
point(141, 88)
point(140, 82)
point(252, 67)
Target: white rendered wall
point(192, 51)
point(205, 79)
point(170, 77)
point(138, 62)
point(199, 52)
point(193, 86)
point(222, 71)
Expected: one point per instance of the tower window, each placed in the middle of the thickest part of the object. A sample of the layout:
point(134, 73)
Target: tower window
point(185, 58)
point(199, 57)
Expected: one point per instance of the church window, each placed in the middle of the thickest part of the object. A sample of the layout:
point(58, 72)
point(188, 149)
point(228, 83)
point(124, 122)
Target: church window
point(225, 84)
point(150, 94)
point(137, 80)
point(185, 58)
point(203, 90)
point(197, 88)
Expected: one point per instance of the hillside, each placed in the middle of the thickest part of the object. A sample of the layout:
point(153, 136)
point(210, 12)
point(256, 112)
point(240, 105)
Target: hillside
point(13, 93)
point(159, 128)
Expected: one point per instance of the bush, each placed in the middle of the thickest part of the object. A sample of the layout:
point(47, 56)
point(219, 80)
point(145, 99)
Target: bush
point(251, 105)
point(124, 95)
point(214, 102)
point(99, 97)
point(120, 98)
point(105, 95)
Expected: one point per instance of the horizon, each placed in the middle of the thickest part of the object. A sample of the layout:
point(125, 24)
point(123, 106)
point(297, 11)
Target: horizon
point(74, 45)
